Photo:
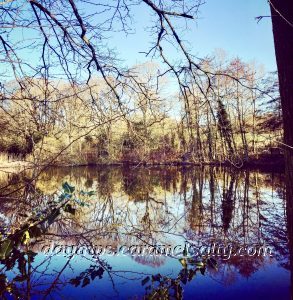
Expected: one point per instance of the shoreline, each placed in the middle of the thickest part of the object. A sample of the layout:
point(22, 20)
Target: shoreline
point(270, 163)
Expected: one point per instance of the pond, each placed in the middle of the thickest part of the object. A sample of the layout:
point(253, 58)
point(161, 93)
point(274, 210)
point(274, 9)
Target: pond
point(144, 233)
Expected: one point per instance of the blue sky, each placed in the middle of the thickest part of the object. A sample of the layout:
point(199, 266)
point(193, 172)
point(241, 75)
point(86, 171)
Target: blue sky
point(221, 24)
point(224, 24)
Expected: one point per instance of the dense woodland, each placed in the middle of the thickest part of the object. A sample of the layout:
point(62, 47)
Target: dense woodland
point(59, 123)
point(67, 98)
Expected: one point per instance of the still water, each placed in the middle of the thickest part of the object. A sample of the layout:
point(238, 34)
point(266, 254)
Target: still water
point(144, 233)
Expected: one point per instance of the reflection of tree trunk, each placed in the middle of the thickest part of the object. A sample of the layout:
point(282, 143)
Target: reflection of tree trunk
point(228, 204)
point(257, 198)
point(183, 186)
point(245, 205)
point(212, 192)
point(196, 212)
point(28, 282)
point(289, 212)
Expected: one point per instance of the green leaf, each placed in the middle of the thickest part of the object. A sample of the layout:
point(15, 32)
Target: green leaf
point(185, 251)
point(145, 280)
point(62, 197)
point(199, 264)
point(68, 208)
point(183, 262)
point(191, 261)
point(81, 203)
point(75, 282)
point(6, 248)
point(202, 270)
point(26, 237)
point(183, 275)
point(68, 188)
point(191, 274)
point(156, 277)
point(212, 263)
point(91, 193)
point(85, 282)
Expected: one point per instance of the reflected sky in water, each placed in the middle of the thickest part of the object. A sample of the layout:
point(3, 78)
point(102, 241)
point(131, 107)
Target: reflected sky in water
point(154, 206)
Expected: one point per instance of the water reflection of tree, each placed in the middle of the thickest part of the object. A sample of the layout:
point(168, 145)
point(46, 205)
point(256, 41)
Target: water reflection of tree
point(195, 212)
point(228, 203)
point(149, 206)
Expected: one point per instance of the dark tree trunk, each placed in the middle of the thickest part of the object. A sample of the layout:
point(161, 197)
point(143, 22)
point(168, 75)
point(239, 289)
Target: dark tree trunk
point(282, 20)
